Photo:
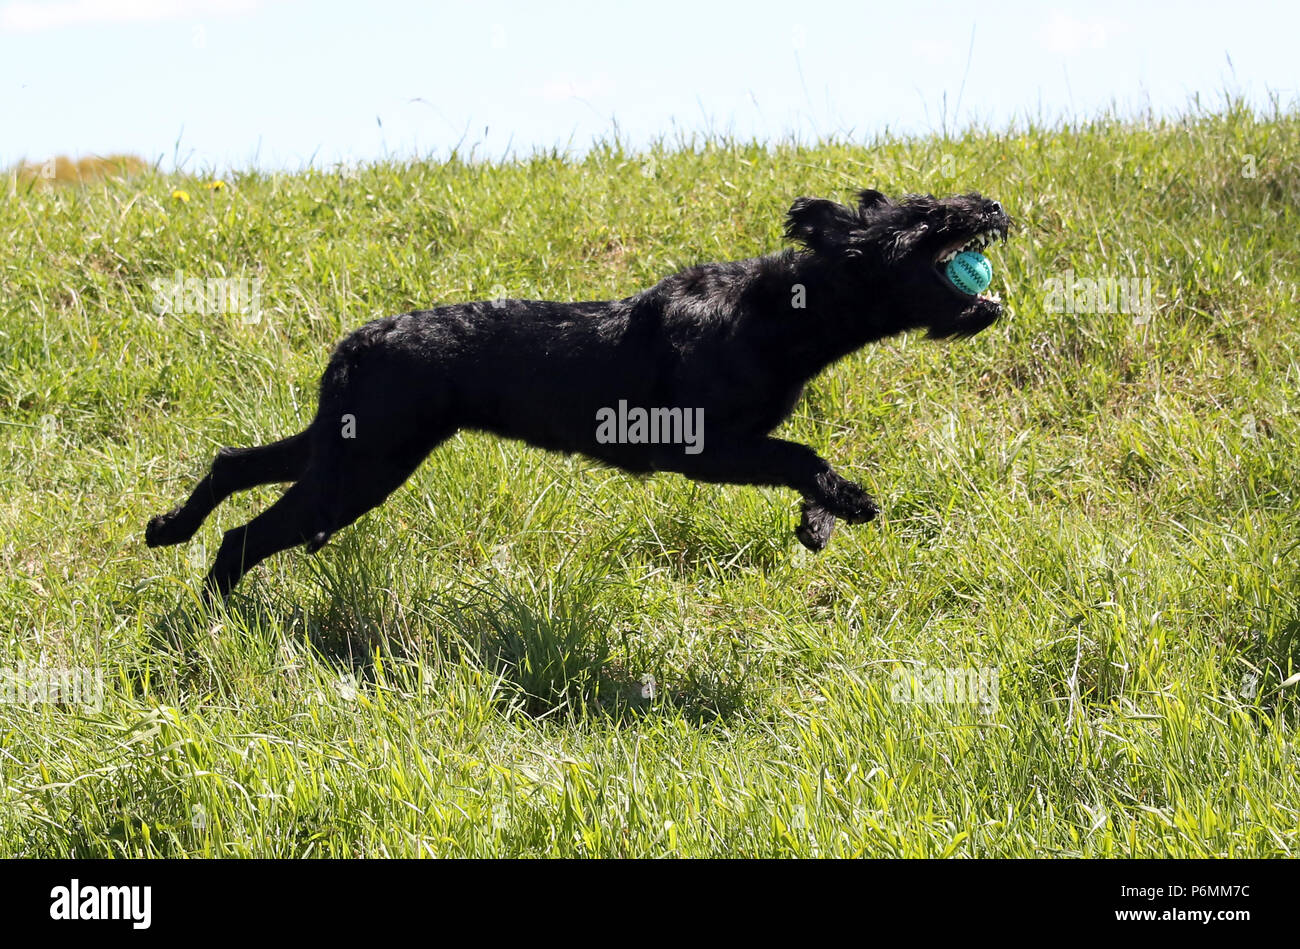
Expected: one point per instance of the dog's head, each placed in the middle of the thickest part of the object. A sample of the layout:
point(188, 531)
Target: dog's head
point(902, 248)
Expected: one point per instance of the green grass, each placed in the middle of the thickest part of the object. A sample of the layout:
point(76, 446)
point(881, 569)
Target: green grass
point(526, 654)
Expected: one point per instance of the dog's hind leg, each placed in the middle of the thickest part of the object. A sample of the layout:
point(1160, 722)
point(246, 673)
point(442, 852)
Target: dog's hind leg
point(289, 521)
point(328, 497)
point(377, 420)
point(234, 469)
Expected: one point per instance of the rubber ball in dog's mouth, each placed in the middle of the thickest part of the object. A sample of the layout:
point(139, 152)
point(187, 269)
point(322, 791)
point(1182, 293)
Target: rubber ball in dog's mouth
point(970, 272)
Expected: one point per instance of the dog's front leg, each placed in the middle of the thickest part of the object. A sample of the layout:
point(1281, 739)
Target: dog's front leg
point(777, 463)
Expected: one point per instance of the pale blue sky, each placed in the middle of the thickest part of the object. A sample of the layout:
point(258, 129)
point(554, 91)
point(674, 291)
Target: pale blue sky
point(276, 82)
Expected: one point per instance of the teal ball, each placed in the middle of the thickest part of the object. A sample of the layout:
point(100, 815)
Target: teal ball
point(970, 272)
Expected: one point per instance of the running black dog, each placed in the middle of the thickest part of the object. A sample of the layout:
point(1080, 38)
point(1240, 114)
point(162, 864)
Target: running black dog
point(721, 348)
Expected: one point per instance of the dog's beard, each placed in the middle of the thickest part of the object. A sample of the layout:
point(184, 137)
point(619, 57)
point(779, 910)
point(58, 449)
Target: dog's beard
point(969, 321)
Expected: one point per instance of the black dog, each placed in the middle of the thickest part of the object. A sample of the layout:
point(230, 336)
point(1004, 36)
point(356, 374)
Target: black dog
point(728, 346)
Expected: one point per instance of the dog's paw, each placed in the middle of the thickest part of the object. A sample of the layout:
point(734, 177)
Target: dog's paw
point(814, 530)
point(164, 530)
point(847, 501)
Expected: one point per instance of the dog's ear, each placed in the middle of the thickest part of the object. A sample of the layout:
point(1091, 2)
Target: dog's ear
point(904, 242)
point(820, 225)
point(869, 199)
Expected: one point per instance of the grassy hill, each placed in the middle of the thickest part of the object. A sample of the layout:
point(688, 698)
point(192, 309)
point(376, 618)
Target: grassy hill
point(523, 653)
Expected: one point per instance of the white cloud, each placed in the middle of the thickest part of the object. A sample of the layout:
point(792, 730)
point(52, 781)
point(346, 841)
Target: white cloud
point(36, 17)
point(1068, 34)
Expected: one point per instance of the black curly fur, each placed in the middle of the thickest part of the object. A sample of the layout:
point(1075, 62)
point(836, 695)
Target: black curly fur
point(726, 338)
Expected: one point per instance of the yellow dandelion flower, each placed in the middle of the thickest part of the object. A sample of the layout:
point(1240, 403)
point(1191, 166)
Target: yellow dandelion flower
point(216, 184)
point(182, 196)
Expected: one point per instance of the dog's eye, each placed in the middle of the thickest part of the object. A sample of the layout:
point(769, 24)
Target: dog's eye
point(997, 208)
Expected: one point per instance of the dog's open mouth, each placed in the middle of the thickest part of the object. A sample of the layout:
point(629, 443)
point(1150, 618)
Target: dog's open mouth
point(976, 242)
